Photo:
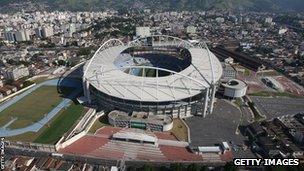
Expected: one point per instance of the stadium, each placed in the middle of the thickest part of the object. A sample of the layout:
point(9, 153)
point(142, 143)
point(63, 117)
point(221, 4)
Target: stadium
point(157, 74)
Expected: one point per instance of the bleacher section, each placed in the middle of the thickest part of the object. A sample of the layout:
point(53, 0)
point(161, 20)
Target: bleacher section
point(132, 150)
point(102, 145)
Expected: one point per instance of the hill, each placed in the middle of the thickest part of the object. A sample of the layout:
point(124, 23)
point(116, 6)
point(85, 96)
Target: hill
point(95, 5)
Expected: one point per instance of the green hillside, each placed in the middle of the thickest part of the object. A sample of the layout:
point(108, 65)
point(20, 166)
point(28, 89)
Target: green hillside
point(88, 5)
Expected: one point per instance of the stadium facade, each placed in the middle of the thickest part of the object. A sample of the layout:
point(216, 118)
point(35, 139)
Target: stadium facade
point(156, 74)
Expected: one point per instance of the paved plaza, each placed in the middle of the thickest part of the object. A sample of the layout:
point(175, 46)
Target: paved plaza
point(218, 127)
point(278, 106)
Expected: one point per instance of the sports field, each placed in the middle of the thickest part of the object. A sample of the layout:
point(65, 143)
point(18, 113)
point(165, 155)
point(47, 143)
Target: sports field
point(61, 124)
point(31, 108)
point(40, 80)
point(58, 126)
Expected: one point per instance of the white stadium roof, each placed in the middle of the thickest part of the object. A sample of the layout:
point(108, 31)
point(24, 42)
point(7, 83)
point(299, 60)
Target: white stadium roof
point(100, 72)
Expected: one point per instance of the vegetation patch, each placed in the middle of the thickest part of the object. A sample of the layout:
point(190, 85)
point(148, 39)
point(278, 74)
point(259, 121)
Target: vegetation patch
point(179, 130)
point(61, 124)
point(31, 108)
point(257, 116)
point(273, 94)
point(100, 122)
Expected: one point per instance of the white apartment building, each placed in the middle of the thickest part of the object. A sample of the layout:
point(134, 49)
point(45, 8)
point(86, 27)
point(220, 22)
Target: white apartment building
point(15, 73)
point(143, 31)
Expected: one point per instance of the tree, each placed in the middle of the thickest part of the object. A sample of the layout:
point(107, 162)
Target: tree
point(2, 44)
point(177, 167)
point(48, 45)
point(9, 81)
point(27, 83)
point(194, 167)
point(230, 167)
point(61, 62)
point(84, 51)
point(148, 168)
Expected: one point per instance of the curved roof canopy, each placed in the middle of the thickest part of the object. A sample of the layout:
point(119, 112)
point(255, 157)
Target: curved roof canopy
point(100, 71)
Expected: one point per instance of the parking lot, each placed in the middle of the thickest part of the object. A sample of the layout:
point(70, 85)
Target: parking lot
point(217, 127)
point(278, 106)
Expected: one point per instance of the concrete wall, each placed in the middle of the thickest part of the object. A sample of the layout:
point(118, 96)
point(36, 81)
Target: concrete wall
point(234, 93)
point(70, 141)
point(172, 143)
point(83, 125)
point(168, 126)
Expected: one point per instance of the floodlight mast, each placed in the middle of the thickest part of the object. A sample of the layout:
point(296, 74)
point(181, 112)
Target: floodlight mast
point(85, 83)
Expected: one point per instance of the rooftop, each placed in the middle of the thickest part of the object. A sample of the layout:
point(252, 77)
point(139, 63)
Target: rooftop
point(235, 84)
point(101, 72)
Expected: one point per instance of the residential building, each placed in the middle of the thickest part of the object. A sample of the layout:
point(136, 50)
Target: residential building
point(143, 31)
point(15, 73)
